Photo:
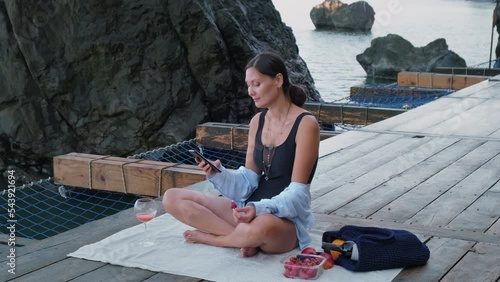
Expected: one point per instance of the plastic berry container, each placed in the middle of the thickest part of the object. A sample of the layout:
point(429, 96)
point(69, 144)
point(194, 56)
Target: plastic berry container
point(303, 266)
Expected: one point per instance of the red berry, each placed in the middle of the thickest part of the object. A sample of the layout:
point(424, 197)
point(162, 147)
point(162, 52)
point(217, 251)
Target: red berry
point(233, 205)
point(308, 250)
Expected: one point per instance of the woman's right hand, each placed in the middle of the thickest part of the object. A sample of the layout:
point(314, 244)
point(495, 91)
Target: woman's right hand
point(207, 169)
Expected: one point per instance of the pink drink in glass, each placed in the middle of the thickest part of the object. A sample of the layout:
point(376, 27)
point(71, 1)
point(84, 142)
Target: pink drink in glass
point(145, 216)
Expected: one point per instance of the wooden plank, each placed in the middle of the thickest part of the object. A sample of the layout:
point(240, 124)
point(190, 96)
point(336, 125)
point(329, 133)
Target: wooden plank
point(444, 254)
point(495, 228)
point(226, 136)
point(180, 176)
point(349, 114)
point(233, 137)
point(352, 152)
point(135, 176)
point(477, 121)
point(479, 216)
point(472, 90)
point(139, 179)
point(410, 203)
point(451, 203)
point(367, 91)
point(490, 91)
point(378, 114)
point(326, 181)
point(64, 270)
point(114, 273)
point(167, 277)
point(468, 71)
point(73, 162)
point(20, 242)
point(481, 263)
point(439, 109)
point(371, 178)
point(342, 171)
point(495, 134)
point(314, 108)
point(376, 199)
point(437, 81)
point(343, 141)
point(429, 120)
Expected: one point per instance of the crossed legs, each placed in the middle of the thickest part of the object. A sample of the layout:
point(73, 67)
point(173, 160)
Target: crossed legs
point(212, 217)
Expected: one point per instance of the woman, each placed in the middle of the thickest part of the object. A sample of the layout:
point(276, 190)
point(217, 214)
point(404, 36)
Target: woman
point(272, 189)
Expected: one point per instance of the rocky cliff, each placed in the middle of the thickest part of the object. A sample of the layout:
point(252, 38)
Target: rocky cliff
point(117, 77)
point(336, 15)
point(391, 54)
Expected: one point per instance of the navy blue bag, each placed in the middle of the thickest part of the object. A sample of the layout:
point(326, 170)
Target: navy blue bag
point(380, 248)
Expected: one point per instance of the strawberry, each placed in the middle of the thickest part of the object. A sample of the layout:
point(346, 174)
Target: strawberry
point(233, 205)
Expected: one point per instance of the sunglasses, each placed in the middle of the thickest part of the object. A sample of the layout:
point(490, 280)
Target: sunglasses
point(345, 249)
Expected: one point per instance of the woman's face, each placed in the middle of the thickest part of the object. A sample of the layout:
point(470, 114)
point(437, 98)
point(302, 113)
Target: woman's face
point(262, 88)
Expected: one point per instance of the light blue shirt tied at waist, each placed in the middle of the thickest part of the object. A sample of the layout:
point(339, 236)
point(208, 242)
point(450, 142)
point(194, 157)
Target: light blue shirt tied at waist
point(292, 203)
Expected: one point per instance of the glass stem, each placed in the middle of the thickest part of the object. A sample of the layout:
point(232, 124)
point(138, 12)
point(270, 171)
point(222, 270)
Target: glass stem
point(146, 239)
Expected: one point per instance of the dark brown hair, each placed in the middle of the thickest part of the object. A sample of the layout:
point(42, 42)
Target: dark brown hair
point(271, 64)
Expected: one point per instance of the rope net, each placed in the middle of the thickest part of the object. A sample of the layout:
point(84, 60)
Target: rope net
point(44, 209)
point(178, 153)
point(393, 96)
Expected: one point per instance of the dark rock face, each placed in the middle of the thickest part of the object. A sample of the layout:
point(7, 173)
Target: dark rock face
point(391, 54)
point(117, 77)
point(333, 14)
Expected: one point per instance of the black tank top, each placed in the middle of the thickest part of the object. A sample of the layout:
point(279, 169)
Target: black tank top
point(280, 172)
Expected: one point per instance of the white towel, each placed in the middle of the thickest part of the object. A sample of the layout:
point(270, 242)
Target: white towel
point(171, 254)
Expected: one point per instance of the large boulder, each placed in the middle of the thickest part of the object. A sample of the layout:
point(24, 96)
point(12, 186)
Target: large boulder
point(118, 77)
point(333, 14)
point(391, 54)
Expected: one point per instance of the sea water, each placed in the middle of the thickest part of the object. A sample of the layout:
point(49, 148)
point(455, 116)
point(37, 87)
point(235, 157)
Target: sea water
point(331, 55)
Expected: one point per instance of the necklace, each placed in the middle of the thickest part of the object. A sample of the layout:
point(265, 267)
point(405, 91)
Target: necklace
point(267, 161)
point(268, 152)
point(269, 131)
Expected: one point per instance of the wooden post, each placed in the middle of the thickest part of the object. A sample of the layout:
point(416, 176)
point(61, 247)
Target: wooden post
point(227, 136)
point(350, 114)
point(134, 176)
point(233, 136)
point(438, 80)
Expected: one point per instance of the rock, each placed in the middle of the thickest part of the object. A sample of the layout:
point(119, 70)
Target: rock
point(391, 54)
point(333, 14)
point(119, 77)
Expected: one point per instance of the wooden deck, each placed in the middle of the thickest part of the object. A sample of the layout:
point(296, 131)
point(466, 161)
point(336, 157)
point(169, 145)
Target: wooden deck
point(434, 170)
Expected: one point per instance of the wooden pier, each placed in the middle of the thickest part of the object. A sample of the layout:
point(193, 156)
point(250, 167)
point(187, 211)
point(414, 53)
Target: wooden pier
point(433, 170)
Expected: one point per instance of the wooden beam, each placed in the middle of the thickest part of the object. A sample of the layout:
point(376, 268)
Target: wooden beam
point(437, 80)
point(366, 91)
point(232, 136)
point(350, 114)
point(134, 176)
point(226, 136)
point(468, 71)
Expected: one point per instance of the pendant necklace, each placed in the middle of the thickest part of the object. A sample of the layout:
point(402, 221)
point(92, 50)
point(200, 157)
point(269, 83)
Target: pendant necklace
point(269, 150)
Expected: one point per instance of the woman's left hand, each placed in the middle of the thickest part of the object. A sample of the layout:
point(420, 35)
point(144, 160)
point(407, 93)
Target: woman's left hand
point(244, 214)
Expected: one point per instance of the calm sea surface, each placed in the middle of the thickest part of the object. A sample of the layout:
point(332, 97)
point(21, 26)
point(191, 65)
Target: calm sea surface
point(331, 55)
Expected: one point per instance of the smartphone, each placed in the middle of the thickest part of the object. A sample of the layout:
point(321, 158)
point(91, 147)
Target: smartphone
point(200, 155)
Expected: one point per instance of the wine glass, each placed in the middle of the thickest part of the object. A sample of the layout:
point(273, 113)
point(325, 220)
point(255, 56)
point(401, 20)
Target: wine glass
point(145, 210)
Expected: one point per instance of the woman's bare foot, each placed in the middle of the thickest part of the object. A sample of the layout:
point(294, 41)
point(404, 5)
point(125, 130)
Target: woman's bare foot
point(247, 252)
point(196, 236)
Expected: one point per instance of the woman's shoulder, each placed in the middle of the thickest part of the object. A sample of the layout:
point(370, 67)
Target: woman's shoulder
point(254, 122)
point(308, 121)
point(308, 117)
point(255, 118)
